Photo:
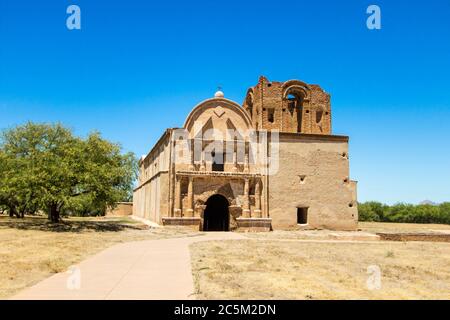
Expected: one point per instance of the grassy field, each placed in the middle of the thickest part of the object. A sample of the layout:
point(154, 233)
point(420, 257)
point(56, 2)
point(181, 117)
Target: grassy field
point(264, 269)
point(32, 249)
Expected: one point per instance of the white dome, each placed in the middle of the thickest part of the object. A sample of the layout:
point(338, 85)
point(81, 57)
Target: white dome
point(219, 94)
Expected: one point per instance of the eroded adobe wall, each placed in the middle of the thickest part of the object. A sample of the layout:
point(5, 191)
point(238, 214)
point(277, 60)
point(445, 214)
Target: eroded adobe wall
point(122, 209)
point(151, 197)
point(163, 196)
point(313, 173)
point(138, 203)
point(271, 108)
point(319, 120)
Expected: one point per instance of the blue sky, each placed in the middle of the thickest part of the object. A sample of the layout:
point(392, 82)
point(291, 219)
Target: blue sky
point(137, 67)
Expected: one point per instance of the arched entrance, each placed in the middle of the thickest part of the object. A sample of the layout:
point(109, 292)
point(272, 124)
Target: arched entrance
point(216, 217)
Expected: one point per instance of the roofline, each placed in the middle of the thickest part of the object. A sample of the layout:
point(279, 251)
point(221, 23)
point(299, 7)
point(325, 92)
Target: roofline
point(218, 99)
point(157, 144)
point(299, 136)
point(311, 136)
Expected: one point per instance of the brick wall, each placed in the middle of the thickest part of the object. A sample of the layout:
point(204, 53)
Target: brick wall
point(291, 106)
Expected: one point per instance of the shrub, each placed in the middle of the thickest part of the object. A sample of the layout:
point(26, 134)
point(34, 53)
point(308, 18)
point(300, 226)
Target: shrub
point(403, 212)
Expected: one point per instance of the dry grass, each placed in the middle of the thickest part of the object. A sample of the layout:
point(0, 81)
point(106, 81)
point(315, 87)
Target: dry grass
point(401, 227)
point(371, 227)
point(32, 249)
point(292, 235)
point(263, 269)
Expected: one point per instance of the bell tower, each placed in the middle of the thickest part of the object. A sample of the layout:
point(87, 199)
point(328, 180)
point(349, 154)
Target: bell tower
point(292, 106)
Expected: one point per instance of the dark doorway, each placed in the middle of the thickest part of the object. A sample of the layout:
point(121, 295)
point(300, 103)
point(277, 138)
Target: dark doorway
point(216, 217)
point(302, 215)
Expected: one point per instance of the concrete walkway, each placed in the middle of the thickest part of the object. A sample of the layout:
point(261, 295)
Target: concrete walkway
point(151, 269)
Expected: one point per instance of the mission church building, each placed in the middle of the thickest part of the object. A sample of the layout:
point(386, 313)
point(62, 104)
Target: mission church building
point(272, 163)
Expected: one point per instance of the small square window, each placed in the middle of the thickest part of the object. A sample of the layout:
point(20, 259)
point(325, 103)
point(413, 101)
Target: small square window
point(302, 215)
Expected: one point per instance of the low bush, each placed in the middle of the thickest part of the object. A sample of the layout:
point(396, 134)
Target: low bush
point(402, 212)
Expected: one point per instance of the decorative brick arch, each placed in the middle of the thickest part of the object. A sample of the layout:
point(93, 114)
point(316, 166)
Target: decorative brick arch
point(249, 100)
point(216, 107)
point(224, 190)
point(296, 86)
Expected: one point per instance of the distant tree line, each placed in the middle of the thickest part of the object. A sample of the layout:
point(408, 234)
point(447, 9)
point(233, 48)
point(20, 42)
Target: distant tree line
point(46, 168)
point(401, 212)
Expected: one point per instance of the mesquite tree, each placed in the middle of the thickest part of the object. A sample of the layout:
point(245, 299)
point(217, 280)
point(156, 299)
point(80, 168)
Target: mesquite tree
point(46, 167)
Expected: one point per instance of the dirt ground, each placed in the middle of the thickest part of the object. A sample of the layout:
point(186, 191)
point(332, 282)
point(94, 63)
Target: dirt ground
point(33, 249)
point(268, 267)
point(363, 227)
point(401, 227)
point(263, 267)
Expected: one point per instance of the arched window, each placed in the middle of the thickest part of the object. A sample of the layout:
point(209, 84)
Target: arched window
point(295, 99)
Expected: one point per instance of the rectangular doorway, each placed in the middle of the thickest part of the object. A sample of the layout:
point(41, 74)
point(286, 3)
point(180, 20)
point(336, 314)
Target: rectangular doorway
point(302, 215)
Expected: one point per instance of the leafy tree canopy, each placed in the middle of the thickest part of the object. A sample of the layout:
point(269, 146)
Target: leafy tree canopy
point(408, 213)
point(46, 167)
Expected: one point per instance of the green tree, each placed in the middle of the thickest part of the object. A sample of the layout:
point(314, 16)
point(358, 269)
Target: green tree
point(105, 177)
point(401, 212)
point(17, 191)
point(50, 167)
point(371, 211)
point(444, 212)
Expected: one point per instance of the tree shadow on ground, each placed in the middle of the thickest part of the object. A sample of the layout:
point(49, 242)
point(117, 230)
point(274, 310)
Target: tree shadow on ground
point(67, 225)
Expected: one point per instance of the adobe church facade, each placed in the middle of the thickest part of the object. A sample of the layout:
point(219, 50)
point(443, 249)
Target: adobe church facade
point(272, 163)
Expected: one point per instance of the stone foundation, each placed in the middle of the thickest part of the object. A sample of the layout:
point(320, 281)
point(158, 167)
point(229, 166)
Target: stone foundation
point(432, 237)
point(243, 224)
point(254, 224)
point(191, 222)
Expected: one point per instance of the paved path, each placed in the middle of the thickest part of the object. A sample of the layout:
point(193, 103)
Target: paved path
point(151, 269)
